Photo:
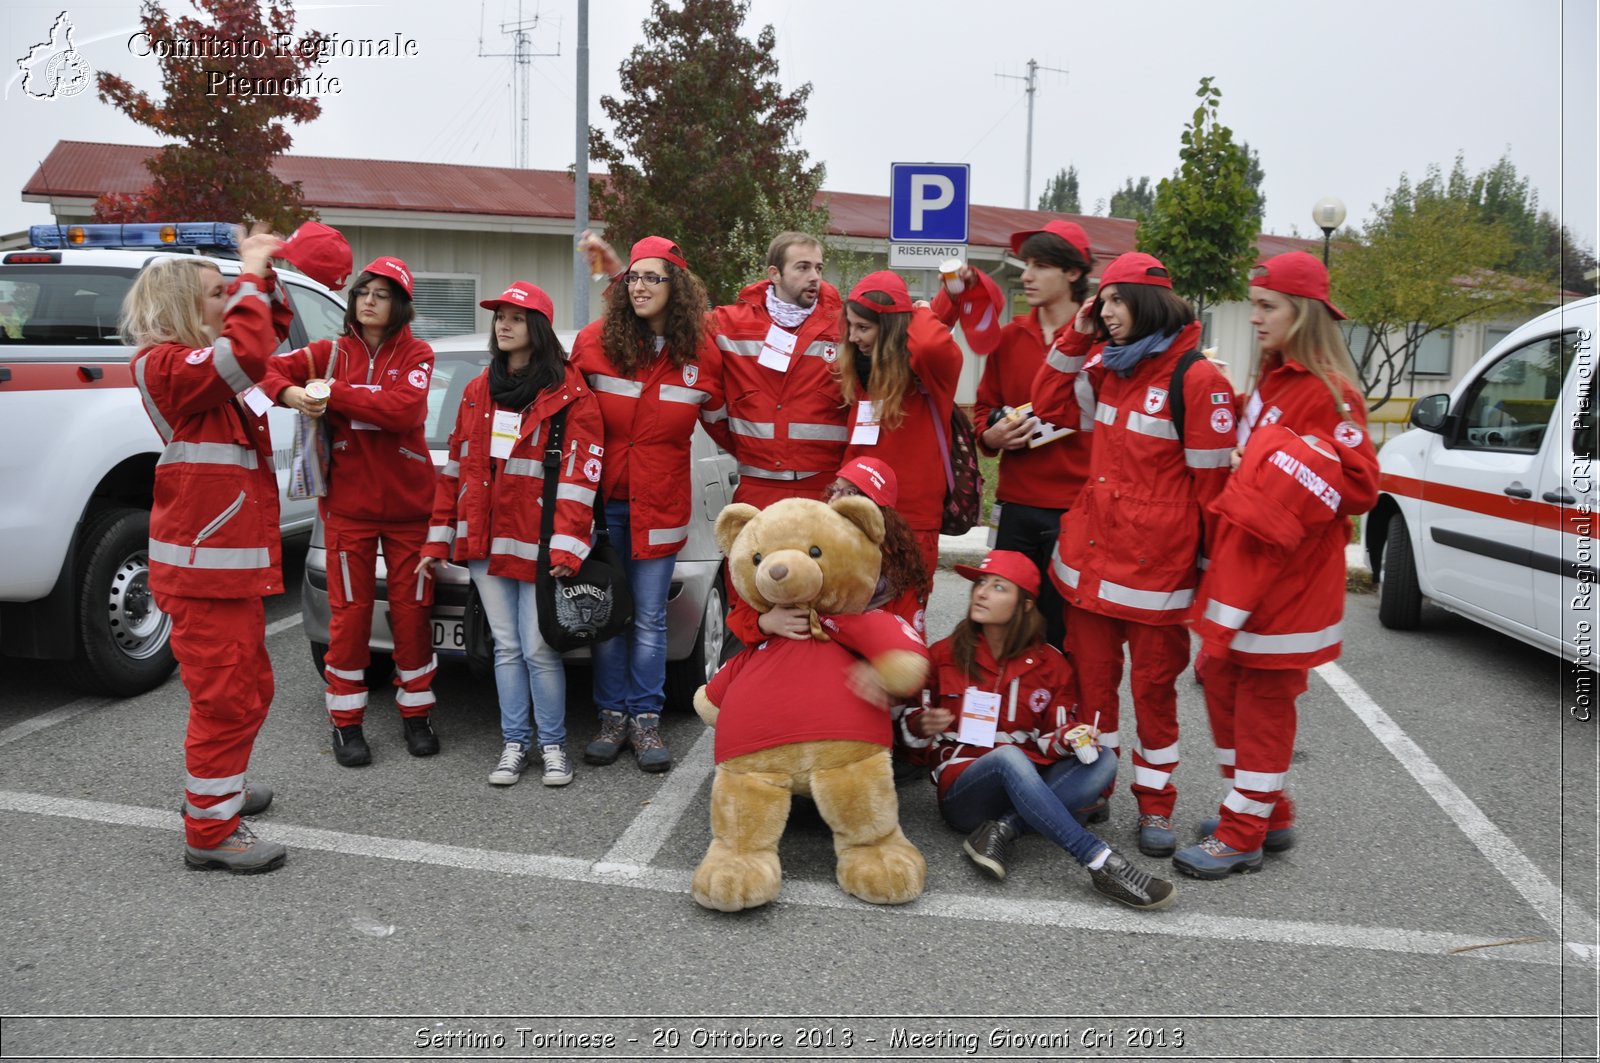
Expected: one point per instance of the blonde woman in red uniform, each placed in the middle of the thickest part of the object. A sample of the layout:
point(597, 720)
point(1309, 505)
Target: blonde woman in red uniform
point(214, 549)
point(898, 376)
point(380, 491)
point(1271, 602)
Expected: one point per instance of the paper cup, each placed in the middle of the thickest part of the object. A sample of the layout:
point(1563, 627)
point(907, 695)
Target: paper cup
point(318, 391)
point(1081, 738)
point(950, 273)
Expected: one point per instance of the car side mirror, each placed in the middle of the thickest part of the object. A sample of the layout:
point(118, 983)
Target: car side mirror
point(1431, 412)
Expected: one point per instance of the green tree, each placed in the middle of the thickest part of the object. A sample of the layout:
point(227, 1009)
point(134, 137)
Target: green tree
point(1254, 175)
point(1133, 200)
point(1061, 193)
point(1541, 245)
point(705, 144)
point(1204, 223)
point(1427, 261)
point(220, 168)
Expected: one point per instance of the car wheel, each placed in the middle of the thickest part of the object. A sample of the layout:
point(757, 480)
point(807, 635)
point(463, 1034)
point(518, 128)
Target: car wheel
point(379, 670)
point(124, 639)
point(710, 647)
point(1399, 596)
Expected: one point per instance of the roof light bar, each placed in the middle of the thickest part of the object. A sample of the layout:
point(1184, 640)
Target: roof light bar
point(148, 235)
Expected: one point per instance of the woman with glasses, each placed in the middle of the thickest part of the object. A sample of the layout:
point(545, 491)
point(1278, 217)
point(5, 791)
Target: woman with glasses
point(380, 491)
point(653, 364)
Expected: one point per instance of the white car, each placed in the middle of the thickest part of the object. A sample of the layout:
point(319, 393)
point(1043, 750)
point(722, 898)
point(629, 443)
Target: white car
point(1488, 510)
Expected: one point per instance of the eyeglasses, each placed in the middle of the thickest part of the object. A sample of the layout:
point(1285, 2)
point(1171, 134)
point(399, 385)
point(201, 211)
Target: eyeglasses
point(380, 294)
point(651, 279)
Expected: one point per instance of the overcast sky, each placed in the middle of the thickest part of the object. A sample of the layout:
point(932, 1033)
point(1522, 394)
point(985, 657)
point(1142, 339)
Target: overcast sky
point(1337, 97)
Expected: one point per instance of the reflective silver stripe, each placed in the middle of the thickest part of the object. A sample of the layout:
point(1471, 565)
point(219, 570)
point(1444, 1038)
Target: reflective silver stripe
point(210, 454)
point(666, 536)
point(227, 365)
point(1105, 414)
point(773, 474)
point(222, 810)
point(406, 676)
point(1061, 363)
point(1113, 739)
point(465, 443)
point(631, 389)
point(1083, 391)
point(228, 784)
point(1153, 778)
point(413, 699)
point(355, 675)
point(817, 349)
point(1146, 425)
point(344, 702)
point(344, 567)
point(1226, 615)
point(452, 469)
point(1246, 807)
point(1208, 459)
point(1164, 755)
point(753, 429)
point(693, 396)
point(714, 416)
point(571, 545)
point(1225, 757)
point(1068, 575)
point(833, 433)
point(743, 348)
point(1299, 642)
point(574, 493)
point(461, 529)
point(215, 557)
point(162, 427)
point(1154, 601)
point(515, 548)
point(445, 534)
point(1262, 782)
point(525, 467)
point(246, 290)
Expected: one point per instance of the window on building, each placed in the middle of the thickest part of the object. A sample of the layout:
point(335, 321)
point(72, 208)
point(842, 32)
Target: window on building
point(1355, 338)
point(1492, 335)
point(446, 305)
point(1434, 354)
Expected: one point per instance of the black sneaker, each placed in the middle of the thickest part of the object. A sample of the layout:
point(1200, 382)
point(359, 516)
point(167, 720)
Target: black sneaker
point(988, 847)
point(420, 739)
point(611, 741)
point(1121, 881)
point(350, 746)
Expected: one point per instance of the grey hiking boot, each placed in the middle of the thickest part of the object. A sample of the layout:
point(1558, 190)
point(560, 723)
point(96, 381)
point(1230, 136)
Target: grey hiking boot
point(649, 748)
point(612, 739)
point(240, 853)
point(1121, 881)
point(1156, 836)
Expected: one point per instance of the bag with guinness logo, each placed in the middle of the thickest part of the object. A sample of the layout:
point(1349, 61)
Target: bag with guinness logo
point(595, 604)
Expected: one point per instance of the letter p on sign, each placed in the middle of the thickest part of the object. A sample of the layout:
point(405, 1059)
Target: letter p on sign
point(928, 201)
point(929, 192)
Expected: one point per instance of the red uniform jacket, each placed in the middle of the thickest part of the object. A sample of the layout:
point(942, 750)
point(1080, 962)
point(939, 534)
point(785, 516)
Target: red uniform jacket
point(492, 507)
point(214, 521)
point(1273, 594)
point(787, 425)
point(1131, 545)
point(1049, 476)
point(912, 450)
point(380, 470)
point(783, 691)
point(1038, 704)
point(649, 420)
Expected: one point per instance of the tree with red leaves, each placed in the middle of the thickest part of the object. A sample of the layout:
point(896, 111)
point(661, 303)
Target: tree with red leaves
point(228, 84)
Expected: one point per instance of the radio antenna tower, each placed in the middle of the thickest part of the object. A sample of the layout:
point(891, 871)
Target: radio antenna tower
point(1032, 80)
point(522, 55)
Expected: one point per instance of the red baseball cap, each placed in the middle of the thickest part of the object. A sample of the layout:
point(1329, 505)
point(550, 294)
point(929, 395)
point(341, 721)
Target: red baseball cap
point(320, 252)
point(1069, 231)
point(524, 295)
point(1296, 273)
point(873, 478)
point(889, 283)
point(658, 247)
point(392, 268)
point(1136, 267)
point(1008, 565)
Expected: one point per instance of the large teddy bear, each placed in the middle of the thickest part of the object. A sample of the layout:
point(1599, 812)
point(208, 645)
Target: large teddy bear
point(809, 716)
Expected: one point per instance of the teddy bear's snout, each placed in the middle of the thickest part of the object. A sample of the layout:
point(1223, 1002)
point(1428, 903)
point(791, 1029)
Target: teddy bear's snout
point(789, 577)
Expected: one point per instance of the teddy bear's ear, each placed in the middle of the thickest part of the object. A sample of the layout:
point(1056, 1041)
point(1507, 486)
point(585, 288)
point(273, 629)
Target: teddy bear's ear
point(730, 522)
point(862, 512)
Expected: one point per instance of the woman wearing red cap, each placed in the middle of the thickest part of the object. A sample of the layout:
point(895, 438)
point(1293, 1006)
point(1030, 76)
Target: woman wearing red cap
point(1002, 707)
point(1272, 599)
point(898, 376)
point(380, 490)
point(1128, 557)
point(657, 372)
point(489, 507)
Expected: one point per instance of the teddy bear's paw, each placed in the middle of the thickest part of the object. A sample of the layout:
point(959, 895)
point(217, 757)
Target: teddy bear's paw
point(707, 710)
point(892, 872)
point(731, 882)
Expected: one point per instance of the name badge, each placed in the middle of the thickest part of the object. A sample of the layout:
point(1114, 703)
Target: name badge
point(980, 715)
point(365, 426)
point(256, 399)
point(866, 430)
point(777, 349)
point(503, 434)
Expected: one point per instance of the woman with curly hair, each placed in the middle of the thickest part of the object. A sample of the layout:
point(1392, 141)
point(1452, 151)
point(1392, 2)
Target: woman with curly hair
point(653, 363)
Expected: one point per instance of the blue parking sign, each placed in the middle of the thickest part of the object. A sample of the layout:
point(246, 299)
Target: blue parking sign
point(928, 201)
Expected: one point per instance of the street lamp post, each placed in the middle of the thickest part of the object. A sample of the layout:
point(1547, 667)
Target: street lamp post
point(1329, 215)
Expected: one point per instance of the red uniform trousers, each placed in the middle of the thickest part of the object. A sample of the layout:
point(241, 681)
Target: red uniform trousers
point(352, 586)
point(761, 492)
point(221, 646)
point(1157, 654)
point(1253, 723)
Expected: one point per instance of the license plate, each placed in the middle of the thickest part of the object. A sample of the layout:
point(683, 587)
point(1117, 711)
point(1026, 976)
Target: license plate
point(450, 635)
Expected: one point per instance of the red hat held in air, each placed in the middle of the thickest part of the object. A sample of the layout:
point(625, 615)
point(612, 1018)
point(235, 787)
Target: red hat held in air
point(1069, 231)
point(524, 295)
point(888, 283)
point(873, 478)
point(1008, 565)
point(320, 252)
point(393, 269)
point(1296, 273)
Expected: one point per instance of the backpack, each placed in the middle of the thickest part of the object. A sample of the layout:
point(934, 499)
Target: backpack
point(963, 496)
point(1175, 401)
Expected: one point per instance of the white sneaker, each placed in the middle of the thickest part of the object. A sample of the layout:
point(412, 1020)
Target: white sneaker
point(557, 768)
point(513, 762)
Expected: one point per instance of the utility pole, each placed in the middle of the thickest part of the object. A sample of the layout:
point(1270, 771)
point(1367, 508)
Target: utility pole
point(1032, 83)
point(522, 54)
point(580, 177)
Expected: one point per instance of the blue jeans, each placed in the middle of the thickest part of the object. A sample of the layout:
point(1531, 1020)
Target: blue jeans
point(524, 666)
point(1004, 780)
point(630, 670)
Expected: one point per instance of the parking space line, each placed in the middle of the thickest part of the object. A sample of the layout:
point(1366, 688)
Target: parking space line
point(70, 711)
point(986, 908)
point(651, 828)
point(1553, 907)
point(279, 626)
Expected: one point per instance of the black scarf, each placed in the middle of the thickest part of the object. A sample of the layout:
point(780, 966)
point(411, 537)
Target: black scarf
point(515, 391)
